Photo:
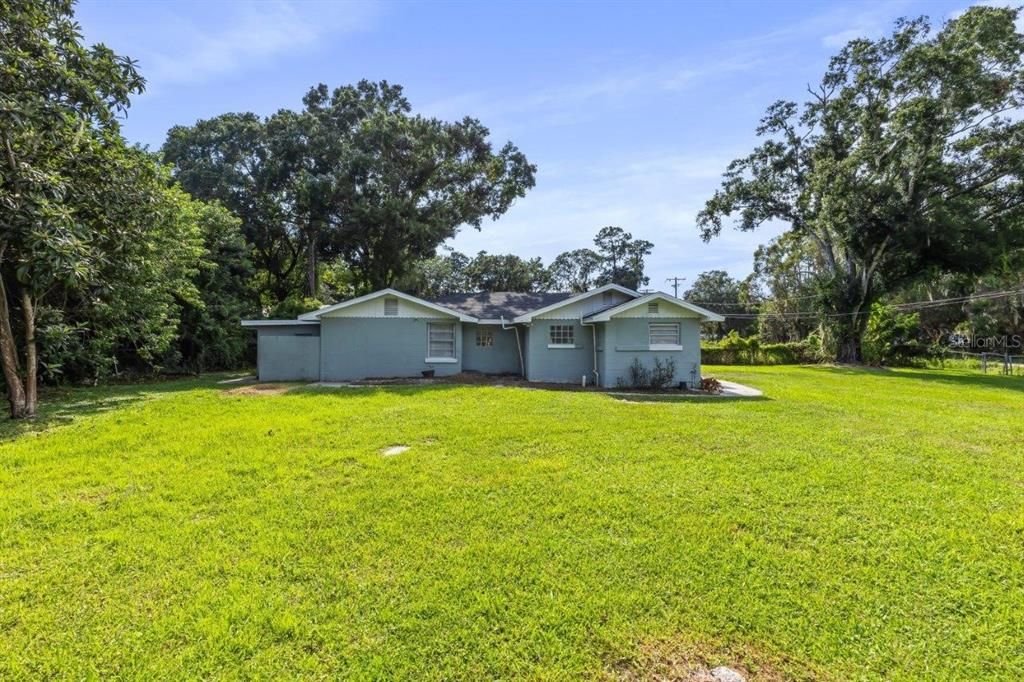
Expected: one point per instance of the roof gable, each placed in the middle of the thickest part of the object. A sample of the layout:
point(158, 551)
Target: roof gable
point(327, 310)
point(528, 317)
point(703, 313)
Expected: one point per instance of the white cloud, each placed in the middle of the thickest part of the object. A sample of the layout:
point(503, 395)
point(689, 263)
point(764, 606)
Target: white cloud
point(572, 102)
point(253, 34)
point(840, 39)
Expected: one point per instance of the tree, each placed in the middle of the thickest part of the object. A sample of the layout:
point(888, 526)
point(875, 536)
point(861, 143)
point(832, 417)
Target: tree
point(506, 272)
point(232, 159)
point(622, 257)
point(716, 290)
point(136, 270)
point(905, 162)
point(783, 280)
point(395, 185)
point(576, 271)
point(209, 336)
point(58, 104)
point(353, 175)
point(889, 334)
point(456, 273)
point(439, 276)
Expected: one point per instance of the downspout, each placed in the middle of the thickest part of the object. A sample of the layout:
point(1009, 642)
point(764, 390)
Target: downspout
point(593, 327)
point(522, 365)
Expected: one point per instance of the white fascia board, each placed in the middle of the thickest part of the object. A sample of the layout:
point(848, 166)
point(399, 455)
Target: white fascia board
point(277, 323)
point(704, 313)
point(528, 317)
point(316, 314)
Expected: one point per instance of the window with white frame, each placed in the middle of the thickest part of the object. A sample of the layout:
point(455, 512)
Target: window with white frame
point(484, 338)
point(441, 340)
point(664, 333)
point(652, 308)
point(390, 307)
point(562, 335)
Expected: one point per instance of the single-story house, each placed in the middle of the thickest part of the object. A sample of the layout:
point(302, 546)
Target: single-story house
point(547, 337)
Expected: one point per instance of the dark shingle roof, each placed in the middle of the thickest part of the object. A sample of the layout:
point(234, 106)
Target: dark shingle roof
point(491, 305)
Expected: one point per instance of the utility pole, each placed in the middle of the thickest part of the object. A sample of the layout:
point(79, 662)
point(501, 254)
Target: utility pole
point(676, 281)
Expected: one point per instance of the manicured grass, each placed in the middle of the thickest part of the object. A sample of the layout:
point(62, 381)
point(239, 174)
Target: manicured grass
point(851, 525)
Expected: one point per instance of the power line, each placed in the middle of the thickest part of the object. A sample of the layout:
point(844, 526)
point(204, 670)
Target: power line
point(913, 305)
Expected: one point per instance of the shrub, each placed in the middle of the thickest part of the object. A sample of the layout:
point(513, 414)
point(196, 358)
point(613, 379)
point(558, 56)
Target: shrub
point(740, 351)
point(639, 376)
point(663, 373)
point(891, 336)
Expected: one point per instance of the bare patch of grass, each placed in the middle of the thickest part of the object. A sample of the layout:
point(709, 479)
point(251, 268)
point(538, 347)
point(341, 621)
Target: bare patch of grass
point(683, 660)
point(263, 389)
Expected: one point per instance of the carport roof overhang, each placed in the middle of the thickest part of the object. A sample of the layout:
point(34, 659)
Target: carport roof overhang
point(278, 323)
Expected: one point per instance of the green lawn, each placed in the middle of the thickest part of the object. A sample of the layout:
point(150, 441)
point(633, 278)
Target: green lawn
point(850, 525)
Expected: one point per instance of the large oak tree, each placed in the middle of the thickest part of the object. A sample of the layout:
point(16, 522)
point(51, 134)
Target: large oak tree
point(906, 161)
point(58, 106)
point(353, 175)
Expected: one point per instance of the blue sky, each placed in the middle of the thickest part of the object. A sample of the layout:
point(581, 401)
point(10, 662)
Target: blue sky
point(630, 110)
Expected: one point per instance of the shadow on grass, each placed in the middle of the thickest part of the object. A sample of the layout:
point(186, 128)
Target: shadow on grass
point(958, 377)
point(63, 405)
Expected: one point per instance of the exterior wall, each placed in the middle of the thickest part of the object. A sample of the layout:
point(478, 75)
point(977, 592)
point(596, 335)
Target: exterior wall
point(559, 365)
point(288, 352)
point(501, 358)
point(626, 338)
point(588, 305)
point(361, 348)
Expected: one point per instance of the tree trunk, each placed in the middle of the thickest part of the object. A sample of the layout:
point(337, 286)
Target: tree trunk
point(9, 358)
point(31, 363)
point(312, 288)
point(849, 333)
point(848, 350)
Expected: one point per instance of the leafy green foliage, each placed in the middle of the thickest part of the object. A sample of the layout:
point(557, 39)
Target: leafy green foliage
point(230, 159)
point(906, 162)
point(209, 336)
point(618, 259)
point(576, 271)
point(58, 105)
point(293, 306)
point(891, 335)
point(622, 257)
point(146, 253)
point(455, 272)
point(737, 350)
point(353, 175)
point(717, 291)
point(187, 530)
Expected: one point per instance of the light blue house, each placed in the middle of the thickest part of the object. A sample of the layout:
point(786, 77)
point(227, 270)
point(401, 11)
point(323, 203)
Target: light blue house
point(591, 337)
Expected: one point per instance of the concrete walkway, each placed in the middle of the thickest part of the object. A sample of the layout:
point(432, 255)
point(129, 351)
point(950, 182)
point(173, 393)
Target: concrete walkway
point(730, 389)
